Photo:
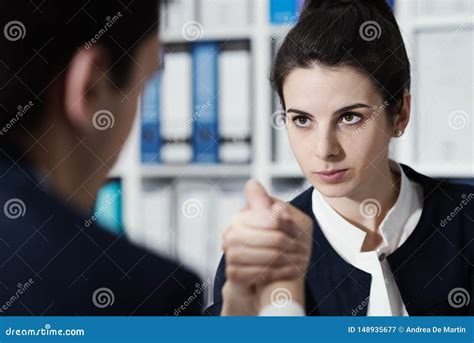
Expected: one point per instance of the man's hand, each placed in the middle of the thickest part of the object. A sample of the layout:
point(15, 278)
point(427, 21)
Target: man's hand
point(267, 248)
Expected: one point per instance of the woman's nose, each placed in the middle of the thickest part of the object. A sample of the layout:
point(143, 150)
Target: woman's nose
point(325, 144)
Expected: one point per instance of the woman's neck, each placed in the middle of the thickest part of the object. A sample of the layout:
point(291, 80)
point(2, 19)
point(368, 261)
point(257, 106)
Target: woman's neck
point(383, 191)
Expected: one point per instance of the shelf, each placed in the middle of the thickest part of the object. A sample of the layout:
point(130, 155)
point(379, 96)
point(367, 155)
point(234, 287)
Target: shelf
point(116, 172)
point(221, 34)
point(277, 31)
point(286, 171)
point(455, 21)
point(444, 171)
point(200, 171)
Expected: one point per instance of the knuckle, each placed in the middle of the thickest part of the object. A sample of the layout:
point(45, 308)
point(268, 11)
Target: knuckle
point(231, 256)
point(277, 257)
point(267, 274)
point(232, 273)
point(280, 240)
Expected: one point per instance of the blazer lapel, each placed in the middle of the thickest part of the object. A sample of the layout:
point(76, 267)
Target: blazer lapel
point(334, 287)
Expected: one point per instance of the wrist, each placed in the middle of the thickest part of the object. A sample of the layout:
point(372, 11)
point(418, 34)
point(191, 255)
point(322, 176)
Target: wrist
point(238, 300)
point(282, 293)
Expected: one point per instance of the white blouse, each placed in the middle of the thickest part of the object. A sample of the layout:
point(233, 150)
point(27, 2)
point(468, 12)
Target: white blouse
point(396, 227)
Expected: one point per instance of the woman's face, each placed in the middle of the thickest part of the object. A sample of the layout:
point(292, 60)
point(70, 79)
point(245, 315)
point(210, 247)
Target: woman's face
point(336, 120)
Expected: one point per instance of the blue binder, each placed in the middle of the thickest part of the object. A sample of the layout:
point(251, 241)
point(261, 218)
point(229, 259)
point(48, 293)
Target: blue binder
point(108, 207)
point(283, 11)
point(205, 138)
point(150, 121)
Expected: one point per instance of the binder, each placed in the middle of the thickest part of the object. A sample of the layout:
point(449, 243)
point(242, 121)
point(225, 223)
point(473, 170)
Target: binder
point(108, 208)
point(283, 11)
point(205, 88)
point(178, 13)
point(176, 121)
point(224, 13)
point(229, 200)
point(150, 121)
point(193, 215)
point(300, 5)
point(157, 205)
point(234, 105)
point(427, 8)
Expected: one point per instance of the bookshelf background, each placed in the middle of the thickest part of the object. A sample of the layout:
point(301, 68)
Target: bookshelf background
point(223, 183)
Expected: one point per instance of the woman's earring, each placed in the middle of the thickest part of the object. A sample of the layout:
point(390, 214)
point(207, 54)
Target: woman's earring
point(398, 133)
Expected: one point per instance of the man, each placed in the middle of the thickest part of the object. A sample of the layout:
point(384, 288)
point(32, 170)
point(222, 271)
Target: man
point(71, 73)
point(68, 67)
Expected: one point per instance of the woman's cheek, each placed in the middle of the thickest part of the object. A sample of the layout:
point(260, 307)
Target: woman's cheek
point(301, 148)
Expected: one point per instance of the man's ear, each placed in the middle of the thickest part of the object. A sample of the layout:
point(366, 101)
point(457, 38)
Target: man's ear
point(85, 87)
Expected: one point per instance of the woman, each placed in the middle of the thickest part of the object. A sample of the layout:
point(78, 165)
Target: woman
point(387, 240)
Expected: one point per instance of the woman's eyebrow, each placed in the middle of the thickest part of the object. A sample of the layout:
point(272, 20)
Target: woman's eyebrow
point(341, 110)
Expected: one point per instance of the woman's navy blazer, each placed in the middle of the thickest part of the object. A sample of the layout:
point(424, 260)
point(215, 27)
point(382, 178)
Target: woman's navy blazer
point(434, 268)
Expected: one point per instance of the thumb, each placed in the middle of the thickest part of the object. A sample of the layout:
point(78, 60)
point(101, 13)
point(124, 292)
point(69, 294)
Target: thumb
point(256, 195)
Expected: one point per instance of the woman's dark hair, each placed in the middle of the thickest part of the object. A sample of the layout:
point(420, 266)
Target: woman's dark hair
point(362, 34)
point(39, 38)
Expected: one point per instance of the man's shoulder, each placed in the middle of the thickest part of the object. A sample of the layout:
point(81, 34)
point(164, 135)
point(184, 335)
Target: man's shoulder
point(69, 262)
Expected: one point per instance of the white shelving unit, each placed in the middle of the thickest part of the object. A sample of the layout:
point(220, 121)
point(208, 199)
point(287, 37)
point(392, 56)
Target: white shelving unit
point(260, 34)
point(412, 22)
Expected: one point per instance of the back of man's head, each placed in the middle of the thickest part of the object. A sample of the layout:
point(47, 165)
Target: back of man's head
point(40, 37)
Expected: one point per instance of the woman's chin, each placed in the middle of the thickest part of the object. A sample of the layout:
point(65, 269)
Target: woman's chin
point(334, 190)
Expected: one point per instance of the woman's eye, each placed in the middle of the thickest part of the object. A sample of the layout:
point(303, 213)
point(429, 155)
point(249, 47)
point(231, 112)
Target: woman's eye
point(350, 118)
point(301, 121)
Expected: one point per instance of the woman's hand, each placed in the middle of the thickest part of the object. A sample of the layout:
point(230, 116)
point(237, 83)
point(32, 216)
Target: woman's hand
point(268, 241)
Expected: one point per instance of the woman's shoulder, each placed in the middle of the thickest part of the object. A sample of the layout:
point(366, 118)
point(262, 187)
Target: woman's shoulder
point(458, 194)
point(303, 200)
point(442, 188)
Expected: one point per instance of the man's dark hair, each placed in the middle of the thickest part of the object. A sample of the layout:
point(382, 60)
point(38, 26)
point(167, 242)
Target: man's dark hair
point(362, 34)
point(40, 37)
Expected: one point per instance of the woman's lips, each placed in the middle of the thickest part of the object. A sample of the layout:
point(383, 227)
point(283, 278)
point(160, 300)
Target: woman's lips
point(332, 176)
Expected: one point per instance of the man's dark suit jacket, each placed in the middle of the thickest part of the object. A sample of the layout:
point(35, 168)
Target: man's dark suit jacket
point(53, 263)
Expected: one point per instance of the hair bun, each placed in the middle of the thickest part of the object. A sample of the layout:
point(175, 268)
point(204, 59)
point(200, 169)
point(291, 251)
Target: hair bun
point(313, 5)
